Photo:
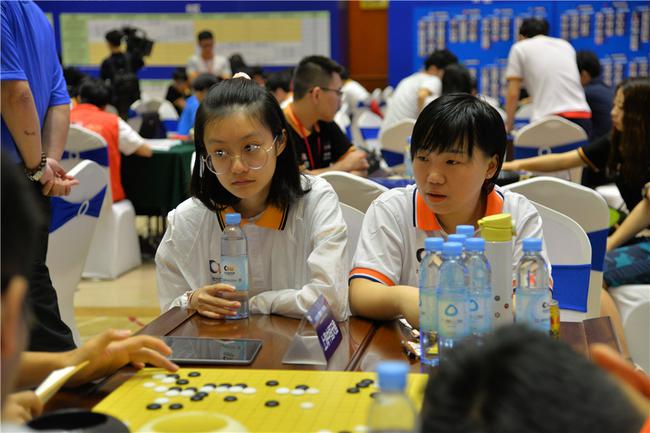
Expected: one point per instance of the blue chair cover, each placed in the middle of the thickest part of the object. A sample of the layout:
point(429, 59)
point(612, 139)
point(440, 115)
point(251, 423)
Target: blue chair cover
point(63, 211)
point(571, 286)
point(99, 155)
point(369, 133)
point(598, 240)
point(529, 152)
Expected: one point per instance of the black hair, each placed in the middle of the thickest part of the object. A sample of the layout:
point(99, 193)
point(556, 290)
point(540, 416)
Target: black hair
point(204, 82)
point(204, 35)
point(21, 221)
point(94, 91)
point(73, 79)
point(345, 73)
point(114, 37)
point(440, 59)
point(520, 380)
point(224, 99)
point(456, 79)
point(313, 71)
point(459, 121)
point(588, 61)
point(279, 80)
point(237, 63)
point(531, 27)
point(180, 74)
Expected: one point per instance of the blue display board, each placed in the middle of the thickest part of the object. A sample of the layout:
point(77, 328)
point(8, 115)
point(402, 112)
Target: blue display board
point(481, 34)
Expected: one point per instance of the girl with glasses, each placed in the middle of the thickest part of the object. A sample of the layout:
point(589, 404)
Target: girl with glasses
point(297, 238)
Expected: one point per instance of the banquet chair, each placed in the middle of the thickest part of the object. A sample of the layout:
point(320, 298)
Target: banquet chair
point(354, 191)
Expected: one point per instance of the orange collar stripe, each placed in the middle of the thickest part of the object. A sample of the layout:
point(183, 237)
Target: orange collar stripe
point(426, 220)
point(272, 218)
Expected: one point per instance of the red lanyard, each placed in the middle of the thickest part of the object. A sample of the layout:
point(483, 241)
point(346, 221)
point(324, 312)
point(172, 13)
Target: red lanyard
point(303, 134)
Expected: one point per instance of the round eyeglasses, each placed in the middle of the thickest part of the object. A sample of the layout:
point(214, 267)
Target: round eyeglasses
point(253, 156)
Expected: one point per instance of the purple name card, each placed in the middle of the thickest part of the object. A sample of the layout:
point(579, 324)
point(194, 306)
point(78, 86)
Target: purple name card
point(321, 318)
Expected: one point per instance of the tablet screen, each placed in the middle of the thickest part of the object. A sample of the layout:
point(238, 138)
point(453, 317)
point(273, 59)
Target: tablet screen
point(197, 350)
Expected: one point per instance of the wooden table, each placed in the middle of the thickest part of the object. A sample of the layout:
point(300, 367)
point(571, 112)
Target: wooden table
point(386, 343)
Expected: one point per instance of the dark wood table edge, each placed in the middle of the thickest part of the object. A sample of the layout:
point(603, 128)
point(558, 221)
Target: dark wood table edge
point(358, 356)
point(167, 322)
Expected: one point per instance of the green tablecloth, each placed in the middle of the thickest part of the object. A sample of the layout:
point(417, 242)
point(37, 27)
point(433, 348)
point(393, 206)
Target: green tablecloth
point(158, 184)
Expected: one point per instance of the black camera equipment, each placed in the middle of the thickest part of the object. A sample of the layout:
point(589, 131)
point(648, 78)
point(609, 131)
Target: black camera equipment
point(137, 42)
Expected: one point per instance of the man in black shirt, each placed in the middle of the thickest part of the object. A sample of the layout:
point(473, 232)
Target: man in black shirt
point(119, 71)
point(320, 144)
point(179, 91)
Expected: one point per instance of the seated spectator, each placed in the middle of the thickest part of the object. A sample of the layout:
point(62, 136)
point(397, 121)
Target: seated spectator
point(206, 61)
point(179, 90)
point(456, 79)
point(353, 91)
point(200, 86)
point(520, 380)
point(94, 95)
point(279, 84)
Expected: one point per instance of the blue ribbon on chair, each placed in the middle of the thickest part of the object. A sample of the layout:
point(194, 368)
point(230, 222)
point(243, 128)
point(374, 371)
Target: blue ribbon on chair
point(63, 211)
point(170, 125)
point(369, 133)
point(392, 158)
point(571, 286)
point(598, 240)
point(99, 155)
point(348, 132)
point(529, 152)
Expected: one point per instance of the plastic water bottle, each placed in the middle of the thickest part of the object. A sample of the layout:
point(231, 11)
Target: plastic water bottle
point(480, 289)
point(429, 273)
point(453, 319)
point(466, 230)
point(234, 264)
point(408, 162)
point(391, 410)
point(532, 294)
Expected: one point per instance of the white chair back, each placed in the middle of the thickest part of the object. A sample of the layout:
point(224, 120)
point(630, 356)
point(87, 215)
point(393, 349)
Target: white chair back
point(354, 191)
point(84, 143)
point(524, 113)
point(387, 93)
point(633, 302)
point(367, 125)
point(395, 138)
point(612, 196)
point(551, 134)
point(73, 223)
point(147, 104)
point(353, 219)
point(343, 121)
point(569, 251)
point(584, 206)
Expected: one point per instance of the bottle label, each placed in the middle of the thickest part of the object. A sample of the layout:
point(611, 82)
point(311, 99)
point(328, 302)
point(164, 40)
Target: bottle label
point(234, 271)
point(480, 308)
point(428, 310)
point(533, 307)
point(452, 317)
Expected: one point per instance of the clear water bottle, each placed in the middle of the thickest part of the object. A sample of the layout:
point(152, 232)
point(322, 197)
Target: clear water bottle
point(466, 230)
point(453, 319)
point(429, 273)
point(480, 288)
point(392, 410)
point(532, 294)
point(234, 264)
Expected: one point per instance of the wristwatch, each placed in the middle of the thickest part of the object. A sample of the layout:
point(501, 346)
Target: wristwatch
point(35, 174)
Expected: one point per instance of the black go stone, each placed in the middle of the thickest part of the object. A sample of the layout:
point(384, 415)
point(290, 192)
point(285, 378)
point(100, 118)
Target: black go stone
point(210, 384)
point(190, 388)
point(174, 375)
point(243, 385)
point(303, 387)
point(201, 394)
point(368, 381)
point(272, 383)
point(182, 382)
point(176, 388)
point(272, 403)
point(175, 406)
point(374, 394)
point(362, 384)
point(194, 374)
point(353, 390)
point(153, 406)
point(227, 385)
point(230, 398)
point(196, 397)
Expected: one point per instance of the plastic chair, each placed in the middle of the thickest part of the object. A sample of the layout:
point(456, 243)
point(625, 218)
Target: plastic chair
point(612, 196)
point(73, 222)
point(147, 104)
point(633, 302)
point(354, 191)
point(115, 248)
point(584, 206)
point(367, 124)
point(353, 219)
point(343, 121)
point(551, 134)
point(524, 113)
point(394, 140)
point(569, 251)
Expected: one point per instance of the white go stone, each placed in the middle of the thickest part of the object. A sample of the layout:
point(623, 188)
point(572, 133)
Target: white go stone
point(306, 405)
point(206, 389)
point(159, 376)
point(361, 428)
point(160, 389)
point(161, 400)
point(249, 390)
point(312, 391)
point(187, 393)
point(221, 389)
point(324, 431)
point(236, 388)
point(282, 390)
point(297, 391)
point(172, 393)
point(168, 380)
point(149, 384)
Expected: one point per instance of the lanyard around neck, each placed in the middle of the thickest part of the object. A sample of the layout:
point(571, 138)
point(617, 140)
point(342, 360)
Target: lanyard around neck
point(303, 134)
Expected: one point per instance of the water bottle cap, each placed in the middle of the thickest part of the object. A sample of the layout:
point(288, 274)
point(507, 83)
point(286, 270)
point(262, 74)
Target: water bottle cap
point(433, 244)
point(392, 375)
point(233, 218)
point(466, 230)
point(532, 244)
point(452, 249)
point(457, 238)
point(475, 244)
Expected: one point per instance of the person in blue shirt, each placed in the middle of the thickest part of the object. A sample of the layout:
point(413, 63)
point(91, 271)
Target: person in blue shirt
point(200, 85)
point(35, 119)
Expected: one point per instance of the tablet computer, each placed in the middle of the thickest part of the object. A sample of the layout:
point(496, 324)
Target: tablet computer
point(199, 350)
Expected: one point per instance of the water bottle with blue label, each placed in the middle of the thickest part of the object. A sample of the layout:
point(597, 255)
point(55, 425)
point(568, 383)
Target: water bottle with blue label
point(532, 294)
point(480, 289)
point(234, 264)
point(453, 318)
point(429, 276)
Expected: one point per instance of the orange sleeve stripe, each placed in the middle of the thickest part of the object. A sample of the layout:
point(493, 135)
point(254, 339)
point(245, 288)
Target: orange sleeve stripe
point(646, 426)
point(371, 274)
point(584, 157)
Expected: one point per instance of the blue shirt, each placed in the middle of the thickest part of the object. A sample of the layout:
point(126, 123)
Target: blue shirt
point(186, 121)
point(28, 53)
point(600, 97)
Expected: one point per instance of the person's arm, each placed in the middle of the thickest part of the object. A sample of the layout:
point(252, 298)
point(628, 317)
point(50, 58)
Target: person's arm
point(423, 95)
point(378, 301)
point(512, 98)
point(636, 221)
point(548, 162)
point(55, 131)
point(106, 352)
point(130, 142)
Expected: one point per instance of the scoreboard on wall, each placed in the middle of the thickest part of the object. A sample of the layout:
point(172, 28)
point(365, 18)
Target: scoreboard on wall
point(481, 34)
